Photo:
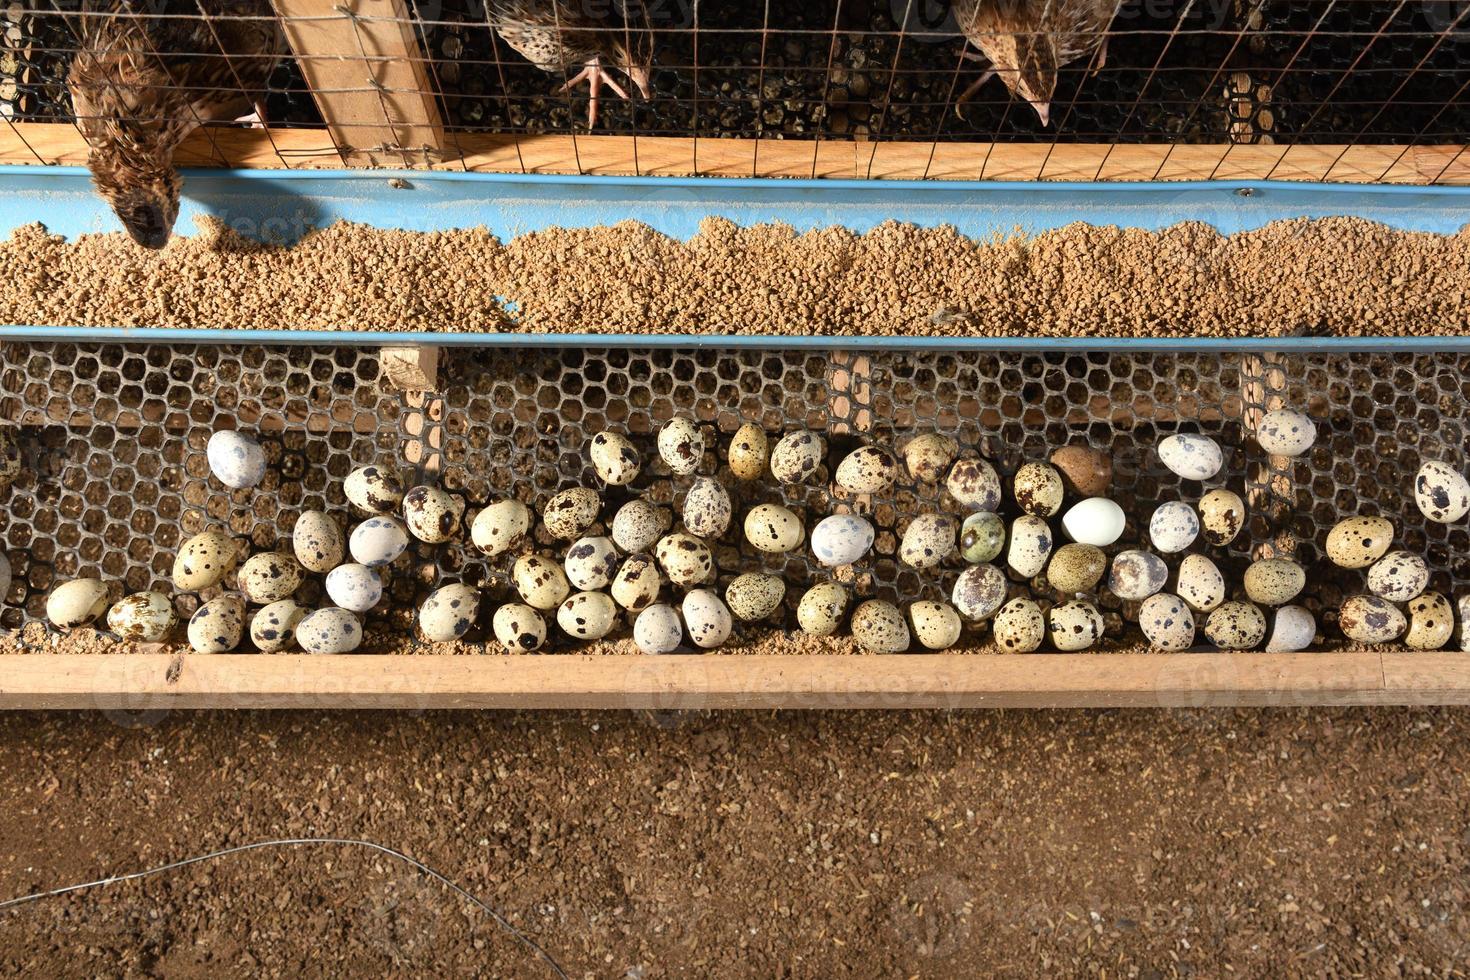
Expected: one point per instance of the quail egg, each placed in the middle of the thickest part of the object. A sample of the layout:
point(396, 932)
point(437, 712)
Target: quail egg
point(1167, 622)
point(982, 536)
point(1031, 544)
point(5, 577)
point(144, 616)
point(1462, 630)
point(1200, 583)
point(1442, 492)
point(1293, 629)
point(540, 581)
point(354, 587)
point(928, 456)
point(707, 619)
point(329, 630)
point(449, 612)
point(78, 602)
point(1359, 541)
point(1096, 521)
point(774, 529)
point(10, 461)
point(203, 560)
point(591, 563)
point(878, 627)
point(216, 626)
point(269, 577)
point(979, 592)
point(841, 539)
point(587, 615)
point(615, 459)
point(1173, 527)
point(1136, 575)
point(503, 526)
point(1039, 490)
point(1074, 626)
point(1221, 516)
point(317, 541)
point(973, 484)
point(929, 540)
point(639, 524)
point(658, 630)
point(1286, 432)
point(797, 456)
point(569, 514)
point(870, 469)
point(1370, 619)
point(755, 595)
point(1431, 622)
point(935, 624)
point(821, 609)
point(373, 490)
point(1019, 626)
point(1274, 581)
point(1236, 626)
point(432, 515)
point(235, 459)
point(749, 450)
point(1076, 568)
point(1398, 576)
point(706, 509)
point(636, 585)
point(274, 627)
point(1193, 457)
point(685, 559)
point(1085, 471)
point(377, 541)
point(681, 446)
point(518, 628)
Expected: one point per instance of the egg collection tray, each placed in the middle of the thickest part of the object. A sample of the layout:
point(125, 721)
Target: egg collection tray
point(116, 477)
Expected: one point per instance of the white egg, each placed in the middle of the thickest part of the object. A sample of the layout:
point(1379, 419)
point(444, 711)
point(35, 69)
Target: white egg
point(707, 618)
point(1293, 628)
point(1095, 521)
point(841, 539)
point(354, 587)
point(378, 541)
point(235, 459)
point(330, 630)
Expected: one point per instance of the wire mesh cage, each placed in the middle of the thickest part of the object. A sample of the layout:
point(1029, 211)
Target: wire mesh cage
point(481, 83)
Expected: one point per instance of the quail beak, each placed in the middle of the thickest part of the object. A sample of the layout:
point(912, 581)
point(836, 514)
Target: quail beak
point(147, 227)
point(643, 78)
point(1043, 112)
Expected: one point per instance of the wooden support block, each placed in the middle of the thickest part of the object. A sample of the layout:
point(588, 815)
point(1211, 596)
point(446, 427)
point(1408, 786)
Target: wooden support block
point(370, 79)
point(411, 368)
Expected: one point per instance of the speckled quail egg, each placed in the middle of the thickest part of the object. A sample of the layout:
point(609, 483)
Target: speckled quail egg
point(1462, 627)
point(216, 626)
point(685, 559)
point(5, 577)
point(1096, 521)
point(658, 629)
point(1191, 456)
point(878, 627)
point(1031, 544)
point(870, 469)
point(1074, 625)
point(449, 612)
point(10, 461)
point(1039, 490)
point(982, 536)
point(774, 529)
point(749, 450)
point(1019, 626)
point(821, 608)
point(1167, 622)
point(1442, 492)
point(1286, 432)
point(317, 541)
point(1358, 542)
point(706, 509)
point(1431, 622)
point(1076, 568)
point(144, 616)
point(637, 583)
point(1370, 619)
point(1085, 472)
point(269, 577)
point(569, 514)
point(706, 618)
point(614, 458)
point(273, 628)
point(77, 602)
point(235, 459)
point(518, 627)
point(979, 592)
point(1293, 628)
point(639, 524)
point(841, 539)
point(1274, 581)
point(587, 615)
point(432, 514)
point(1221, 516)
point(681, 446)
point(929, 540)
point(377, 541)
point(1398, 576)
point(1173, 527)
point(591, 563)
point(1200, 583)
point(935, 624)
point(540, 581)
point(354, 587)
point(1136, 575)
point(973, 484)
point(1236, 626)
point(797, 456)
point(755, 595)
point(373, 490)
point(928, 456)
point(329, 630)
point(503, 526)
point(203, 560)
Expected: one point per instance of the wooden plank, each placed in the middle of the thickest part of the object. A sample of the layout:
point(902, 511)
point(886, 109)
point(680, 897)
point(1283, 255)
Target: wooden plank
point(141, 681)
point(363, 63)
point(60, 143)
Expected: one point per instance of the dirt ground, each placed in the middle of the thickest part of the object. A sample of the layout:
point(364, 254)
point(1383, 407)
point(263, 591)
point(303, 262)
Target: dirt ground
point(1106, 843)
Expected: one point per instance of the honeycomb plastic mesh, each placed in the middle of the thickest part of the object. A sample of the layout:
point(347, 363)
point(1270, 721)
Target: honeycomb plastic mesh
point(116, 475)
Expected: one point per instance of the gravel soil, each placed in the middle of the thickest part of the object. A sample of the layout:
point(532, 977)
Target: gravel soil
point(1104, 843)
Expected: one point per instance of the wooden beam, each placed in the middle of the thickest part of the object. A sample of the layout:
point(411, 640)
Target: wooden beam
point(59, 143)
point(364, 66)
point(146, 681)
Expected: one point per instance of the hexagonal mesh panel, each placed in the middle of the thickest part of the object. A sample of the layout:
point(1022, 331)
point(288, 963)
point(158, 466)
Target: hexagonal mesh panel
point(118, 477)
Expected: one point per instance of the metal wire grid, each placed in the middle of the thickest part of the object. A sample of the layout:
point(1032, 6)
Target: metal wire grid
point(117, 479)
point(1197, 71)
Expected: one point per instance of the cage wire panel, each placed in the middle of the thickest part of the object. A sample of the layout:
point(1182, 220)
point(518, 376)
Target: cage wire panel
point(1194, 71)
point(116, 476)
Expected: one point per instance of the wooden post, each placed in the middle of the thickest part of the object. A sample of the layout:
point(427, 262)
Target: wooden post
point(369, 77)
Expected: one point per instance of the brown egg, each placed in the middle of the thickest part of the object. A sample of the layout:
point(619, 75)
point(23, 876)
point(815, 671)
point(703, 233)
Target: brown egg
point(1085, 471)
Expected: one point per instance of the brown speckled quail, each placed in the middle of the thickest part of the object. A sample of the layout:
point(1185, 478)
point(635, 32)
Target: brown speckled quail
point(1027, 41)
point(559, 36)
